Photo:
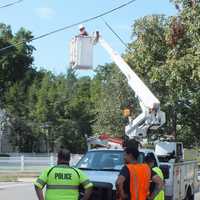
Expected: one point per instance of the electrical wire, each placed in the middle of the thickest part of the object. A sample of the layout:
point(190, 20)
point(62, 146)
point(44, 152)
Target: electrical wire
point(10, 4)
point(114, 32)
point(69, 26)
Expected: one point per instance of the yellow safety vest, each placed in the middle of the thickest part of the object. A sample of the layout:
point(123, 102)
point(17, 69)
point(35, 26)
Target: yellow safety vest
point(161, 194)
point(62, 182)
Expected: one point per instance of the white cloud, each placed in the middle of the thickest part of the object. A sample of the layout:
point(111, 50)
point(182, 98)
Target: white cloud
point(45, 13)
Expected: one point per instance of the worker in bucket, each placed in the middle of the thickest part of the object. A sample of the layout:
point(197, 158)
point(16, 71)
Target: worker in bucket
point(62, 181)
point(134, 179)
point(157, 179)
point(82, 30)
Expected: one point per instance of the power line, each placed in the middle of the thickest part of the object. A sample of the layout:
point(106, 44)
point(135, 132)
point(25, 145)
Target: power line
point(10, 4)
point(69, 26)
point(114, 32)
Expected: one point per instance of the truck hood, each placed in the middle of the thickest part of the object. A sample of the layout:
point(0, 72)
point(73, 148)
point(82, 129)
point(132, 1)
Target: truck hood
point(103, 176)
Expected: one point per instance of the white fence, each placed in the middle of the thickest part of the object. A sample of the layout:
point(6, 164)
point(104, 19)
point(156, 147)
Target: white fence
point(31, 163)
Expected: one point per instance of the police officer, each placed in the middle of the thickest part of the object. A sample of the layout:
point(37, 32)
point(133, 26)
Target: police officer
point(62, 182)
point(157, 179)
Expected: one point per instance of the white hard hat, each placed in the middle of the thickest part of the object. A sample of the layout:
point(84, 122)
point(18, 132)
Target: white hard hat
point(81, 26)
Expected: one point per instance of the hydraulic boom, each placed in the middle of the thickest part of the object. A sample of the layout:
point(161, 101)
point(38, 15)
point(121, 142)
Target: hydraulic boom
point(151, 116)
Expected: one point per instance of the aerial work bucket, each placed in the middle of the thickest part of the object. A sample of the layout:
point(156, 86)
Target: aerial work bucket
point(81, 52)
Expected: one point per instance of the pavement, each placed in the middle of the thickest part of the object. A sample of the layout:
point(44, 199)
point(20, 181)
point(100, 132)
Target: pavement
point(17, 191)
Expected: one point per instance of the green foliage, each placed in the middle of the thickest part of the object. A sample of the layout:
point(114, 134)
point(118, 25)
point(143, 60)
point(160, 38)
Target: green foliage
point(110, 94)
point(47, 111)
point(171, 68)
point(16, 61)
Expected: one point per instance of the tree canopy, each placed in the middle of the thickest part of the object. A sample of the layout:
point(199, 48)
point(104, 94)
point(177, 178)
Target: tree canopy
point(47, 110)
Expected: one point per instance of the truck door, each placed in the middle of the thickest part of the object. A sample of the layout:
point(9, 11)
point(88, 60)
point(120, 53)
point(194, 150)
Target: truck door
point(177, 182)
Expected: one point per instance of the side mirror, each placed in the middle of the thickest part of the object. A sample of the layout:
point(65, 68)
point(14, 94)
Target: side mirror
point(165, 170)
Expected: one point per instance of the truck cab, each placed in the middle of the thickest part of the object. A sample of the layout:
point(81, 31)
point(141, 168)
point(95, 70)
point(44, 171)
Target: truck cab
point(102, 166)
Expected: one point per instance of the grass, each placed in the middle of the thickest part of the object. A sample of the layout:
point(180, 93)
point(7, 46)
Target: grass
point(192, 154)
point(8, 178)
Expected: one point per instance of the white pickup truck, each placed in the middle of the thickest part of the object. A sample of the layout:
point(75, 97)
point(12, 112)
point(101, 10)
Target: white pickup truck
point(103, 166)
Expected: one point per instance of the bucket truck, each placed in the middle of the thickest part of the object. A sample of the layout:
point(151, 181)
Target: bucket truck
point(151, 116)
point(102, 165)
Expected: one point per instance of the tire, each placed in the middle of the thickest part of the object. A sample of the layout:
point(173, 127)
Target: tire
point(189, 195)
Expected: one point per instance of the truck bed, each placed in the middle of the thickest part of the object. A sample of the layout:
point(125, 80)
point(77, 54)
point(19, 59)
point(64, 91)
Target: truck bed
point(182, 181)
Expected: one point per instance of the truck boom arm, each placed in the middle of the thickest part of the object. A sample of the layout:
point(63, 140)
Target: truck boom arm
point(151, 116)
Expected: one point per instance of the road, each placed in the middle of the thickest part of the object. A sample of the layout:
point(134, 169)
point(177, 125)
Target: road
point(17, 191)
point(24, 191)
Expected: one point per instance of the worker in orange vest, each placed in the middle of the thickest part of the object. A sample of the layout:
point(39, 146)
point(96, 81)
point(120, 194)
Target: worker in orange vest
point(134, 179)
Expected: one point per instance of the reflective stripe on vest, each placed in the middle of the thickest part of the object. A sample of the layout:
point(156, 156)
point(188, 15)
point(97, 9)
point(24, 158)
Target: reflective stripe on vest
point(136, 184)
point(85, 183)
point(63, 187)
point(63, 178)
point(140, 175)
point(40, 181)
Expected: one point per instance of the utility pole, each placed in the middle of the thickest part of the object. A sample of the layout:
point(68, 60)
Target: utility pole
point(46, 128)
point(1, 128)
point(1, 133)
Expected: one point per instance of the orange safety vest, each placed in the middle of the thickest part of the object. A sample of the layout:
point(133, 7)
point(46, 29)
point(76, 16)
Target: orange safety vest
point(140, 176)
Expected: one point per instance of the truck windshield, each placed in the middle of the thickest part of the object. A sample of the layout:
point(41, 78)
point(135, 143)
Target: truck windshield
point(104, 160)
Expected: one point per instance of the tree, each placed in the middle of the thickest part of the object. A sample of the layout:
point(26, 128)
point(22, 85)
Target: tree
point(170, 69)
point(63, 107)
point(110, 94)
point(21, 135)
point(17, 60)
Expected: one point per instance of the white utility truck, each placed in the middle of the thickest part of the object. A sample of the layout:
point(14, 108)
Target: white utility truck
point(103, 165)
point(182, 182)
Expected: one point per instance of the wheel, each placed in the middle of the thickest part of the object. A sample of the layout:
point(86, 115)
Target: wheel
point(189, 195)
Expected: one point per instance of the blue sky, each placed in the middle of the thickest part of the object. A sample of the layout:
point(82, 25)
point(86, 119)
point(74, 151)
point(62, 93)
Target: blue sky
point(41, 16)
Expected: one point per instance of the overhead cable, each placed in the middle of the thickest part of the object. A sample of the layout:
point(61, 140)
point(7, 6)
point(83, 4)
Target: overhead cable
point(10, 4)
point(114, 32)
point(69, 26)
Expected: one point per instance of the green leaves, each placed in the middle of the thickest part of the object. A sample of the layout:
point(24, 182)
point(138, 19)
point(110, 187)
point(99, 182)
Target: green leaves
point(112, 94)
point(15, 61)
point(171, 71)
point(164, 52)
